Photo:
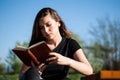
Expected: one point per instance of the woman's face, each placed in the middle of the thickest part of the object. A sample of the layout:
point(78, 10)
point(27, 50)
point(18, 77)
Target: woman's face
point(49, 27)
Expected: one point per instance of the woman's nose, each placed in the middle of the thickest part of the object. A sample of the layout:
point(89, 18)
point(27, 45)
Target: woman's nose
point(46, 29)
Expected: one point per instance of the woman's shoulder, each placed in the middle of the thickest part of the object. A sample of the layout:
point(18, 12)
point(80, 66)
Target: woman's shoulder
point(73, 46)
point(71, 40)
point(73, 43)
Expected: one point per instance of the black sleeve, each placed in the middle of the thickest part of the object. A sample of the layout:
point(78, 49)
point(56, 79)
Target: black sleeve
point(74, 46)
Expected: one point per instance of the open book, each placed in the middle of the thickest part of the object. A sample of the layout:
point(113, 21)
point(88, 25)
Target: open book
point(37, 53)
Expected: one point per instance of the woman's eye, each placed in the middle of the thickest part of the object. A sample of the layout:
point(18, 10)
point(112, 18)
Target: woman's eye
point(49, 25)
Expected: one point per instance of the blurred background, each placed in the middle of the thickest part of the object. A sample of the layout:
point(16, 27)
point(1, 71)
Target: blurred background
point(95, 24)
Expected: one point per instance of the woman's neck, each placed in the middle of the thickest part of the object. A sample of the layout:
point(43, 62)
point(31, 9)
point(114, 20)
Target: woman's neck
point(55, 41)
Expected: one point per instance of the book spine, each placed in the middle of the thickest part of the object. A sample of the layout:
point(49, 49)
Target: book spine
point(33, 57)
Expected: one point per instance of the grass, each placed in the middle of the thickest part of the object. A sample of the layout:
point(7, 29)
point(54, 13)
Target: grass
point(75, 76)
point(9, 77)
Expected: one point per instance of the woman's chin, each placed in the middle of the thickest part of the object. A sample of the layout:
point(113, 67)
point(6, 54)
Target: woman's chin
point(49, 37)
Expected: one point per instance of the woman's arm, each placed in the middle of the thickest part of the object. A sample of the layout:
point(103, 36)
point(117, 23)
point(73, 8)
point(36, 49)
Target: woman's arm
point(80, 63)
point(24, 68)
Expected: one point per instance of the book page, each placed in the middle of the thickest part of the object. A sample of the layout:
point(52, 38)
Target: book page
point(20, 48)
point(36, 44)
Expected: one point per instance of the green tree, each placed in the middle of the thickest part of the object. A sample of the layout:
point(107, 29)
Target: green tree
point(2, 68)
point(106, 35)
point(94, 56)
point(13, 61)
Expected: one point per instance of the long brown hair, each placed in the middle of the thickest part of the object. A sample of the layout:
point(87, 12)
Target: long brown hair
point(36, 33)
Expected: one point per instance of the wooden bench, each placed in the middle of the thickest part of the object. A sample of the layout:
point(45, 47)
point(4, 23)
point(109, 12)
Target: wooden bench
point(104, 75)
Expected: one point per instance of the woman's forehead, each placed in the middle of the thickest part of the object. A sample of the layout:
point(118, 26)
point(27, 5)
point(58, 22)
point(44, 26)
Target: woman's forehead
point(46, 19)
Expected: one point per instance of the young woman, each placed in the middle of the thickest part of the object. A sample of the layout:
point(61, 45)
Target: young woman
point(66, 52)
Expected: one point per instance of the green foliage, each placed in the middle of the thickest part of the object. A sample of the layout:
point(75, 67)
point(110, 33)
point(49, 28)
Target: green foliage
point(9, 77)
point(74, 76)
point(96, 62)
point(16, 66)
point(106, 34)
point(15, 77)
point(96, 50)
point(2, 68)
point(14, 62)
point(11, 58)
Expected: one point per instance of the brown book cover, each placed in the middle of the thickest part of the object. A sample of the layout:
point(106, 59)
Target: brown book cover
point(37, 53)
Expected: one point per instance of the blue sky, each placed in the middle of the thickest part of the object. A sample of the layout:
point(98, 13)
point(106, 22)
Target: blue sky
point(17, 16)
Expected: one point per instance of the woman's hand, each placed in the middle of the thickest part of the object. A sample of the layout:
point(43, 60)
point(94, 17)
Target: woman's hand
point(39, 68)
point(58, 59)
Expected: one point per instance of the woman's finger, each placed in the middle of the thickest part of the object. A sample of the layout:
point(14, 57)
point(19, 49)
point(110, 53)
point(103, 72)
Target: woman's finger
point(51, 59)
point(41, 67)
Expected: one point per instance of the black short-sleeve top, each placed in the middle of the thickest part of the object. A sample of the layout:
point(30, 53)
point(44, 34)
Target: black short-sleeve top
point(67, 47)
